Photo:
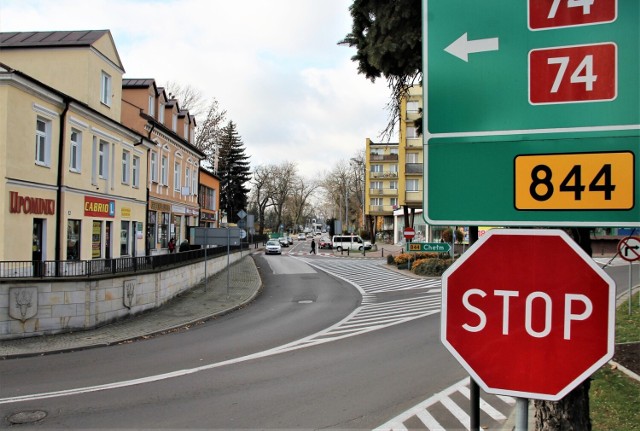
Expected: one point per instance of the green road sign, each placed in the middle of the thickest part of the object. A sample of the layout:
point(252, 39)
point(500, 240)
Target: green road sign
point(505, 79)
point(433, 247)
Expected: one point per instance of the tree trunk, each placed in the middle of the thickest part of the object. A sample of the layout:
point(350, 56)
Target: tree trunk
point(572, 412)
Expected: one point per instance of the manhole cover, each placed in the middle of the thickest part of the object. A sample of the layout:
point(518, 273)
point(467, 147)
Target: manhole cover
point(27, 417)
point(305, 301)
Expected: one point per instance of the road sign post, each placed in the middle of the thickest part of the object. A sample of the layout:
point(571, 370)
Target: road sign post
point(538, 103)
point(536, 295)
point(629, 250)
point(429, 247)
point(409, 233)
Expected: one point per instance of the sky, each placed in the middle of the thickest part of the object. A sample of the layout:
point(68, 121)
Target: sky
point(273, 65)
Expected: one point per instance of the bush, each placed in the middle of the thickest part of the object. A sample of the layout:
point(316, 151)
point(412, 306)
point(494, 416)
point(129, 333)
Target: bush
point(391, 260)
point(403, 258)
point(431, 267)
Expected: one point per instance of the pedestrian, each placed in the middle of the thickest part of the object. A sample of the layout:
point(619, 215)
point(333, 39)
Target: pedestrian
point(172, 245)
point(313, 246)
point(184, 245)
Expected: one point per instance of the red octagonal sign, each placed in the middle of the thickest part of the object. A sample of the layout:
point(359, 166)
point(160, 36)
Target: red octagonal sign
point(528, 313)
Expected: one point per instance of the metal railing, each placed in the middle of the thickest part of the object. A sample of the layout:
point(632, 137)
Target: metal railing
point(101, 267)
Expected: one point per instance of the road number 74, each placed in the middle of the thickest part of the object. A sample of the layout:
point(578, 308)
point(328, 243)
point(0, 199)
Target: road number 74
point(583, 73)
point(584, 4)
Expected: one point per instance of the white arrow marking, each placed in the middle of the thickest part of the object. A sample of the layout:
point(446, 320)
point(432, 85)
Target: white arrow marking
point(462, 47)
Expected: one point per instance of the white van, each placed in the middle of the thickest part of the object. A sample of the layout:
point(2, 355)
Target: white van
point(349, 242)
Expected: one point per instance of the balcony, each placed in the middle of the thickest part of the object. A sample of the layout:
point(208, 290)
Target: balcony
point(383, 175)
point(413, 168)
point(380, 209)
point(383, 157)
point(414, 143)
point(413, 197)
point(383, 192)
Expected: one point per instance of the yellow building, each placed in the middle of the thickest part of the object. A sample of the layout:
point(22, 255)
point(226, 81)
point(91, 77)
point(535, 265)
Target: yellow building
point(73, 177)
point(174, 161)
point(381, 185)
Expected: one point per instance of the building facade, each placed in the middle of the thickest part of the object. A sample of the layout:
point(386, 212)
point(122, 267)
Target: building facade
point(73, 177)
point(209, 197)
point(173, 162)
point(381, 186)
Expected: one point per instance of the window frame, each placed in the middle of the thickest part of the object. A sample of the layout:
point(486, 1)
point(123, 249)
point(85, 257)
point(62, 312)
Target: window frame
point(105, 88)
point(103, 159)
point(126, 168)
point(177, 174)
point(154, 166)
point(43, 142)
point(135, 166)
point(75, 151)
point(164, 168)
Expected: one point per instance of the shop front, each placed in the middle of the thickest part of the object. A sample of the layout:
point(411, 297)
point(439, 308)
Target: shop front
point(29, 225)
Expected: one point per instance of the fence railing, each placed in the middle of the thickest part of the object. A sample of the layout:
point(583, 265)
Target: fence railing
point(100, 267)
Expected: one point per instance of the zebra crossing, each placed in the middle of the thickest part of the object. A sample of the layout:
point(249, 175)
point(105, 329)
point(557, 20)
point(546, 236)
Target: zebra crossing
point(450, 406)
point(444, 410)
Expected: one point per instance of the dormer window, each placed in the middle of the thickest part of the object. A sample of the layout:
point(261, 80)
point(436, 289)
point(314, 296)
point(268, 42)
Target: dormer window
point(161, 113)
point(174, 122)
point(152, 106)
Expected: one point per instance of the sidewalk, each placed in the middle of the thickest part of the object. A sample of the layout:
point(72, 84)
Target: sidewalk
point(190, 308)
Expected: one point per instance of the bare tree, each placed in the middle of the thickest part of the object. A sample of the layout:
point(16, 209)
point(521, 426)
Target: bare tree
point(300, 194)
point(260, 193)
point(283, 180)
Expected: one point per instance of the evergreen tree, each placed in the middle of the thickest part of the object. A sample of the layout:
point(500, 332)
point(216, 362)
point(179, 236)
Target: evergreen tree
point(234, 173)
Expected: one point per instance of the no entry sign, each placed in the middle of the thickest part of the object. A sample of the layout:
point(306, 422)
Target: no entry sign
point(528, 313)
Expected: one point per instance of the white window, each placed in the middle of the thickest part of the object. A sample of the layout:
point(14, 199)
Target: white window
point(163, 171)
point(394, 202)
point(43, 141)
point(161, 113)
point(376, 202)
point(174, 122)
point(412, 157)
point(103, 159)
point(376, 185)
point(393, 185)
point(135, 180)
point(154, 166)
point(125, 166)
point(187, 177)
point(412, 132)
point(152, 106)
point(376, 168)
point(75, 156)
point(185, 131)
point(412, 186)
point(393, 168)
point(105, 90)
point(176, 176)
point(194, 181)
point(412, 106)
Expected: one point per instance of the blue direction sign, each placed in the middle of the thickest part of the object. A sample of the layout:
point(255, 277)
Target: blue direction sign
point(433, 247)
point(536, 104)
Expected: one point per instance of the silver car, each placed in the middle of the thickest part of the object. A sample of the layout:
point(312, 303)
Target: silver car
point(273, 247)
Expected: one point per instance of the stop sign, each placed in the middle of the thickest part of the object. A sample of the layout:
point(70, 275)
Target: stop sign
point(409, 233)
point(528, 313)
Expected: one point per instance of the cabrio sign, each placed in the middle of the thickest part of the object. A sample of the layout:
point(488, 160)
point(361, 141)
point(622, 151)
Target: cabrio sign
point(96, 207)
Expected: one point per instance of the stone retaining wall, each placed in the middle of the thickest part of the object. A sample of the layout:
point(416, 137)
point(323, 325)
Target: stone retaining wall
point(41, 307)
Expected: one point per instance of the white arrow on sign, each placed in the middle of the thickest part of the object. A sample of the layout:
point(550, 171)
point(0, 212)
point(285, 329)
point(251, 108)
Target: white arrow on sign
point(462, 47)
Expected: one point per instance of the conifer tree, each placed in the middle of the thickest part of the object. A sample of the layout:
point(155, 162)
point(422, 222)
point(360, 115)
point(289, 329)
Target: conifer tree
point(234, 173)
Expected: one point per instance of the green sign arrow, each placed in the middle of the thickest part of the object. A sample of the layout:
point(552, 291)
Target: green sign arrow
point(529, 78)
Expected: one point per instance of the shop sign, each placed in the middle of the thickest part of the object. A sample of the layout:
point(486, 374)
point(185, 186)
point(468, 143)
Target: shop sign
point(125, 212)
point(97, 207)
point(29, 205)
point(158, 206)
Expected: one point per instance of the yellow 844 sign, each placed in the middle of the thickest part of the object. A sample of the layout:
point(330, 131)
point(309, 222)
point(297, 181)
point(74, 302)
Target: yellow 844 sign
point(580, 181)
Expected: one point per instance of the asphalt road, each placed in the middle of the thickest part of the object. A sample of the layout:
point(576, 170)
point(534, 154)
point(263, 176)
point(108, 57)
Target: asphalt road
point(227, 374)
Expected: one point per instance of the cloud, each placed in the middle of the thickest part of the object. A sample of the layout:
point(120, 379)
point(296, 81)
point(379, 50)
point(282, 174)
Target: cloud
point(275, 66)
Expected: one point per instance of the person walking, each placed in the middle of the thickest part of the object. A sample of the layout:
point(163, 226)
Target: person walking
point(313, 246)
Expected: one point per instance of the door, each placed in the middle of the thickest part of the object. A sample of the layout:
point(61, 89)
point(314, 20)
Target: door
point(36, 247)
point(107, 241)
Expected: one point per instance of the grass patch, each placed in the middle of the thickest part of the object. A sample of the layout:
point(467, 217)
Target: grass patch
point(614, 395)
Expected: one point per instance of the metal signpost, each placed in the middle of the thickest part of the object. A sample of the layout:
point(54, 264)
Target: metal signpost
point(206, 236)
point(537, 103)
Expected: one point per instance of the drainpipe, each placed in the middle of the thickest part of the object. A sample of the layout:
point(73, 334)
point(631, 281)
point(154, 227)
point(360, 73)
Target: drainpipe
point(147, 248)
point(61, 147)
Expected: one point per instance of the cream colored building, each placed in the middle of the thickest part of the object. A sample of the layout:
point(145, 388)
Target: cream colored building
point(381, 185)
point(73, 177)
point(174, 161)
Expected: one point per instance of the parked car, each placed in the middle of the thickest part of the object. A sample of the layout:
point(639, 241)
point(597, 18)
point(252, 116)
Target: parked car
point(290, 240)
point(301, 237)
point(283, 241)
point(273, 247)
point(324, 243)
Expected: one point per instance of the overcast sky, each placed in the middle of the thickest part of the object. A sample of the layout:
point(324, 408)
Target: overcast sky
point(274, 65)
